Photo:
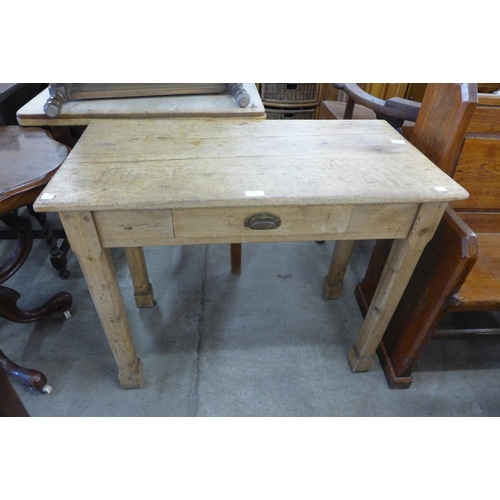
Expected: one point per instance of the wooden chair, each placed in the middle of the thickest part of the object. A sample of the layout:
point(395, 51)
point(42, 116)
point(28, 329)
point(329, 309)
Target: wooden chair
point(400, 113)
point(439, 132)
point(460, 270)
point(28, 160)
point(445, 107)
point(395, 110)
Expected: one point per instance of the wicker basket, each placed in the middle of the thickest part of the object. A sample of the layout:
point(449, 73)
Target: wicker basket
point(291, 114)
point(289, 92)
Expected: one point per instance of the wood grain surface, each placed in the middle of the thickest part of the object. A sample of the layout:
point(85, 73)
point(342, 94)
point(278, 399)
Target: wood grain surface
point(157, 164)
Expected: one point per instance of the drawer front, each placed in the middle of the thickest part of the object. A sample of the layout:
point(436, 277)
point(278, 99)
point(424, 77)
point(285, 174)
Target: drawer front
point(230, 222)
point(130, 228)
point(303, 223)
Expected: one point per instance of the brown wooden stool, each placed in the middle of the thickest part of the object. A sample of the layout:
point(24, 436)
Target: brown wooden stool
point(29, 158)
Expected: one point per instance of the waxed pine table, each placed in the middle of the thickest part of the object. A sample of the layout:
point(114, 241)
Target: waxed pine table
point(137, 183)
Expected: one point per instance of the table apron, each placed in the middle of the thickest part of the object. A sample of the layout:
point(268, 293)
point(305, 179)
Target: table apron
point(214, 225)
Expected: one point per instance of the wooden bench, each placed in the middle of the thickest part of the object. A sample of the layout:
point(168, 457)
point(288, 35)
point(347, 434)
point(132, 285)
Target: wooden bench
point(460, 269)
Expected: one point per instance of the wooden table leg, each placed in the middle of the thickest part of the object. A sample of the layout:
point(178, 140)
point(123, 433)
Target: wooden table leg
point(143, 291)
point(333, 284)
point(400, 265)
point(236, 258)
point(99, 272)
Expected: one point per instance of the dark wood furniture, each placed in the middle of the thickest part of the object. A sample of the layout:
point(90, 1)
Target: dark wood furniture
point(360, 104)
point(10, 404)
point(460, 269)
point(29, 157)
point(13, 96)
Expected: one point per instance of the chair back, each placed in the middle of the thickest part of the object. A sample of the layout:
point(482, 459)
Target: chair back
point(442, 121)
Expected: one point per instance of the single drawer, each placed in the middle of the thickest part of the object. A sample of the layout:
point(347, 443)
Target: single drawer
point(212, 225)
point(226, 223)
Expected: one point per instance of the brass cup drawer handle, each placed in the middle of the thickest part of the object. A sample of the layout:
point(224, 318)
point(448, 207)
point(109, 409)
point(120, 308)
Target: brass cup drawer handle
point(262, 220)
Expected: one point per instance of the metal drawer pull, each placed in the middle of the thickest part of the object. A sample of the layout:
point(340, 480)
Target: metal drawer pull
point(263, 220)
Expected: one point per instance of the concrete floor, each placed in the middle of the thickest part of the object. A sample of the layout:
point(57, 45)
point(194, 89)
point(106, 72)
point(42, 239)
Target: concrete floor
point(264, 343)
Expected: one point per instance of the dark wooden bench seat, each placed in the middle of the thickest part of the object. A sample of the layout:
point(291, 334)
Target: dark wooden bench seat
point(481, 289)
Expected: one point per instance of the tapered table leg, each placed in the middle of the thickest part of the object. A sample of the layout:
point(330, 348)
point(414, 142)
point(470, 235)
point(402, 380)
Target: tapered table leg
point(99, 272)
point(400, 265)
point(143, 291)
point(235, 258)
point(333, 284)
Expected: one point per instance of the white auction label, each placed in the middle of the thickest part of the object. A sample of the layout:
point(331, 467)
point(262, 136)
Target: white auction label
point(254, 193)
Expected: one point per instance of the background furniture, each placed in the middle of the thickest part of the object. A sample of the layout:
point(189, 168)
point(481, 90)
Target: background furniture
point(275, 183)
point(358, 104)
point(28, 160)
point(75, 115)
point(13, 96)
point(292, 101)
point(60, 93)
point(460, 268)
point(10, 404)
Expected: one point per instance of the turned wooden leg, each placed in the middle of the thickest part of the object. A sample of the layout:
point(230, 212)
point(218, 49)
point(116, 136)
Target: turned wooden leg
point(30, 378)
point(22, 226)
point(57, 254)
point(240, 94)
point(58, 95)
point(236, 258)
point(99, 272)
point(397, 272)
point(333, 284)
point(143, 291)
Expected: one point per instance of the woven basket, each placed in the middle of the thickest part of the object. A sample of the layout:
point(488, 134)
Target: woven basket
point(291, 114)
point(289, 92)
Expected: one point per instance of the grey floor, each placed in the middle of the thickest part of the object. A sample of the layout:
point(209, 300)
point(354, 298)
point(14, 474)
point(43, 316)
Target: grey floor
point(264, 343)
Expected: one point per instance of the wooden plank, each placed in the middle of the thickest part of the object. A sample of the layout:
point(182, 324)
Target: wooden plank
point(481, 290)
point(82, 112)
point(482, 222)
point(478, 171)
point(485, 120)
point(112, 90)
point(488, 99)
point(215, 163)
